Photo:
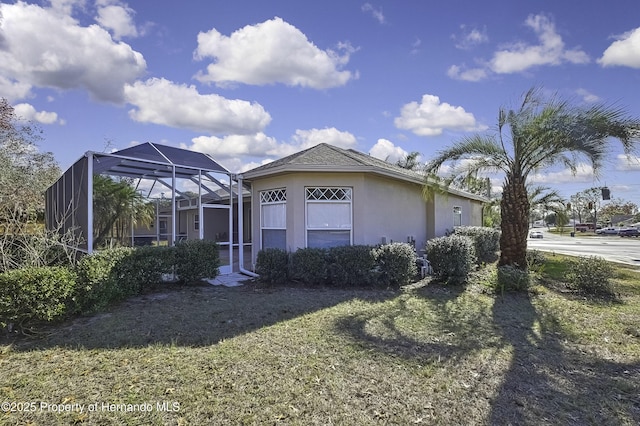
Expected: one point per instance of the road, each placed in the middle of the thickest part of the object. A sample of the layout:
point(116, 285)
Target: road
point(612, 248)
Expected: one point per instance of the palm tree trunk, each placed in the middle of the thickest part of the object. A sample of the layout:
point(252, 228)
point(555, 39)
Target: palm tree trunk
point(515, 223)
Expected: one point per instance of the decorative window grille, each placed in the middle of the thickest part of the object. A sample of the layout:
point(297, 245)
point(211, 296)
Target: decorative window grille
point(273, 218)
point(273, 196)
point(328, 216)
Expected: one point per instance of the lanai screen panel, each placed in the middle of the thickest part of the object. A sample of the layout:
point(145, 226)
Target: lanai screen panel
point(66, 203)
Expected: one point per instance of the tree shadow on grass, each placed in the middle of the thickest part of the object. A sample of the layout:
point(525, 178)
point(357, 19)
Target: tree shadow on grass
point(551, 381)
point(192, 316)
point(542, 377)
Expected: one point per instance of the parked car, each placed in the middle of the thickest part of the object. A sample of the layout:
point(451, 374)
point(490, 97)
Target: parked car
point(607, 231)
point(536, 234)
point(629, 232)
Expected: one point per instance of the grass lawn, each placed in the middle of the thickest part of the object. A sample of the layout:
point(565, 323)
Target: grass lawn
point(427, 354)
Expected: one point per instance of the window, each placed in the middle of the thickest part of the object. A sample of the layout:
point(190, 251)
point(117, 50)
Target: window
point(457, 216)
point(328, 217)
point(163, 226)
point(273, 218)
point(196, 222)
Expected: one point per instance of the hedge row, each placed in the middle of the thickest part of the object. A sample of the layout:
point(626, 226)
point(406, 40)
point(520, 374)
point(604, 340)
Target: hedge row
point(389, 265)
point(100, 279)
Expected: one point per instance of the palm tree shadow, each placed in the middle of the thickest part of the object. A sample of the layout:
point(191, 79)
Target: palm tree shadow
point(550, 382)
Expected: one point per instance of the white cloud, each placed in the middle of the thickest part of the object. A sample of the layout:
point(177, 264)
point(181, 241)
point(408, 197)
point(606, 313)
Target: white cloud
point(63, 54)
point(624, 52)
point(462, 73)
point(385, 150)
point(587, 96)
point(628, 162)
point(304, 139)
point(28, 112)
point(584, 173)
point(13, 90)
point(431, 117)
point(470, 37)
point(66, 7)
point(161, 101)
point(415, 46)
point(271, 52)
point(118, 18)
point(376, 13)
point(521, 56)
point(551, 50)
point(231, 147)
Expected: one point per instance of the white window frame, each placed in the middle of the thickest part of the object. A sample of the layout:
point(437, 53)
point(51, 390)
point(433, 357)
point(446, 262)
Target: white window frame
point(457, 216)
point(196, 222)
point(271, 197)
point(328, 195)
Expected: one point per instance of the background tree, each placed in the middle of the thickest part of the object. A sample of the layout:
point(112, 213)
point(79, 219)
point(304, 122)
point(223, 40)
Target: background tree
point(544, 199)
point(617, 207)
point(537, 134)
point(25, 174)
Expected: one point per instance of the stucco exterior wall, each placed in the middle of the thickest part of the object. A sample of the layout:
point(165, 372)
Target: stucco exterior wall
point(394, 210)
point(442, 219)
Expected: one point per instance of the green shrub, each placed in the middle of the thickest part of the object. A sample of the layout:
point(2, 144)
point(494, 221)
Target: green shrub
point(272, 265)
point(98, 285)
point(36, 293)
point(309, 265)
point(535, 260)
point(352, 266)
point(486, 241)
point(143, 268)
point(396, 264)
point(196, 259)
point(590, 275)
point(511, 278)
point(452, 258)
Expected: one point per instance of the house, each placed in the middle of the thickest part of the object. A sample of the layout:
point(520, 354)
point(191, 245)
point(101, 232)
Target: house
point(319, 197)
point(326, 196)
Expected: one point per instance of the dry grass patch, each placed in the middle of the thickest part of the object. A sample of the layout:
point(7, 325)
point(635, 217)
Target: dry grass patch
point(252, 355)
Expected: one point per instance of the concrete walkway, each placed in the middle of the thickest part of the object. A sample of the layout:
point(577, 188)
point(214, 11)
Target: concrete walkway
point(229, 280)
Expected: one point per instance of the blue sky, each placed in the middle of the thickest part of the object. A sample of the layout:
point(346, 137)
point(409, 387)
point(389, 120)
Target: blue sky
point(249, 81)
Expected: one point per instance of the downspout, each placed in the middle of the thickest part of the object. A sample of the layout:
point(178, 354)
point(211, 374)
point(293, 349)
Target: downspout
point(241, 230)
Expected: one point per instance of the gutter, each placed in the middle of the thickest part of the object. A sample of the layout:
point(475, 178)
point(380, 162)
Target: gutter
point(241, 230)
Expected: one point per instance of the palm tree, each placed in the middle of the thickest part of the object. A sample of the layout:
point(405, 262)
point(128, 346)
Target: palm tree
point(117, 205)
point(541, 133)
point(410, 161)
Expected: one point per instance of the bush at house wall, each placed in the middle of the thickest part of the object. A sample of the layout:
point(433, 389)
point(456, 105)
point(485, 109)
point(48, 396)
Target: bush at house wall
point(352, 266)
point(273, 266)
point(486, 241)
point(196, 259)
point(452, 258)
point(310, 266)
point(396, 263)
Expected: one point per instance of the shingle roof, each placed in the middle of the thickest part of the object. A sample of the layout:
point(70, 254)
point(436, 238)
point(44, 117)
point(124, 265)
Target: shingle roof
point(329, 158)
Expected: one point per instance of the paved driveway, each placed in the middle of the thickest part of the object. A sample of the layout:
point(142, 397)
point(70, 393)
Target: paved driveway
point(612, 248)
